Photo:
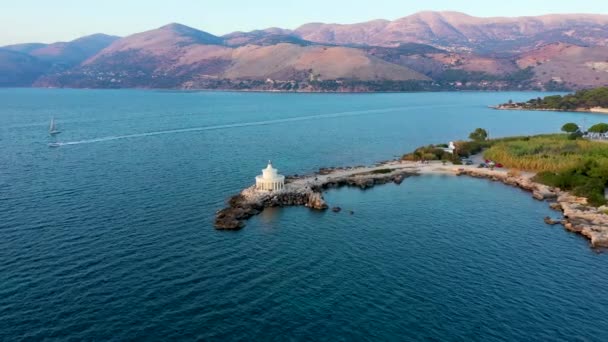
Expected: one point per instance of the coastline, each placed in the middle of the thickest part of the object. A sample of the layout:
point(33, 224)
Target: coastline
point(281, 91)
point(595, 110)
point(307, 190)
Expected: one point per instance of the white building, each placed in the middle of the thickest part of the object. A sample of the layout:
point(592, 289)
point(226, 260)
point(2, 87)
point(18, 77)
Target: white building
point(270, 179)
point(451, 148)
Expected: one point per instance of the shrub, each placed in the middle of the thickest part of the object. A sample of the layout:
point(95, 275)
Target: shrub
point(570, 127)
point(479, 134)
point(575, 135)
point(599, 128)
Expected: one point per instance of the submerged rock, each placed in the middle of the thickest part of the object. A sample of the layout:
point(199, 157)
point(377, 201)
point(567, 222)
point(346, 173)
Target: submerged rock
point(398, 179)
point(555, 206)
point(550, 221)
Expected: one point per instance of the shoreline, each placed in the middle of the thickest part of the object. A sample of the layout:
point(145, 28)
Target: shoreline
point(280, 91)
point(307, 190)
point(596, 110)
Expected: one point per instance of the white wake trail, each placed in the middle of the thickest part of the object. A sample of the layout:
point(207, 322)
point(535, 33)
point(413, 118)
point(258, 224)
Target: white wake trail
point(236, 125)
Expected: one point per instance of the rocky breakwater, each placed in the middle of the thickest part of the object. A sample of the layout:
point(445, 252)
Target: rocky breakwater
point(578, 216)
point(307, 191)
point(586, 220)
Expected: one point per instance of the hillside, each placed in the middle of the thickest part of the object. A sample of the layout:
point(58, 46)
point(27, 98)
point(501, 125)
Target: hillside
point(66, 53)
point(460, 31)
point(424, 51)
point(19, 69)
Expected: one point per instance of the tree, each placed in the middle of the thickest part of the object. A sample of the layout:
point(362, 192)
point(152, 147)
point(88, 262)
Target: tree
point(575, 135)
point(570, 127)
point(599, 128)
point(479, 134)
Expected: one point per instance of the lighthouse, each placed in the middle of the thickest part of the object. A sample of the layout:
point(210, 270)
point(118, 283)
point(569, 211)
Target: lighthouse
point(270, 179)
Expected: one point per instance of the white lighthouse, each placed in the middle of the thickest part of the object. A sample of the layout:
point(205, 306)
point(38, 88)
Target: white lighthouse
point(270, 179)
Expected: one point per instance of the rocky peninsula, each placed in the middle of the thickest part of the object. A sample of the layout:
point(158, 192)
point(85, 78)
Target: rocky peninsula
point(577, 215)
point(587, 100)
point(520, 106)
point(307, 190)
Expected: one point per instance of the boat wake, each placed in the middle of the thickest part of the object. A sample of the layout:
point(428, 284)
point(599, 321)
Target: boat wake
point(236, 125)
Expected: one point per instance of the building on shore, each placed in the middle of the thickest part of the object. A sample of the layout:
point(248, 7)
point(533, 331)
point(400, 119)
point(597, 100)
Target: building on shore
point(270, 179)
point(451, 147)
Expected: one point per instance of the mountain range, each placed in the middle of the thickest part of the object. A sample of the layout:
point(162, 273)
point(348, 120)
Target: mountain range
point(423, 51)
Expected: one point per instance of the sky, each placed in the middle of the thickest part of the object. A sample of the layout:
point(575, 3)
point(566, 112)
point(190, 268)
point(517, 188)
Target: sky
point(63, 20)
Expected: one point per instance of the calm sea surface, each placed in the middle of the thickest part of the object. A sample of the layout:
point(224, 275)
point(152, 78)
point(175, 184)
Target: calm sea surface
point(110, 236)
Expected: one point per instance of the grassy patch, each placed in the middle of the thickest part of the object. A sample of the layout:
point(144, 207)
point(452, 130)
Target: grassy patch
point(382, 171)
point(579, 166)
point(551, 153)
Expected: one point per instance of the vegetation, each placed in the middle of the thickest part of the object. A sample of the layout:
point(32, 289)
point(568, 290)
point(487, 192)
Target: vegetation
point(463, 149)
point(431, 152)
point(382, 171)
point(579, 166)
point(479, 134)
point(560, 160)
point(459, 75)
point(583, 99)
point(599, 128)
point(587, 179)
point(469, 148)
point(570, 127)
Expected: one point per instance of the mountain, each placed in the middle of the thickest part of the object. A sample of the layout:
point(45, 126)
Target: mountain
point(423, 51)
point(288, 61)
point(460, 31)
point(66, 53)
point(19, 69)
point(575, 66)
point(271, 36)
point(25, 48)
point(178, 56)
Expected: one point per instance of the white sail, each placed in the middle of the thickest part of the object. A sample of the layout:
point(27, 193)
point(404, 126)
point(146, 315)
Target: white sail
point(52, 127)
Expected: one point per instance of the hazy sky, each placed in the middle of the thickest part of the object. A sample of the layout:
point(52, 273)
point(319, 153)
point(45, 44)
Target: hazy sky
point(62, 20)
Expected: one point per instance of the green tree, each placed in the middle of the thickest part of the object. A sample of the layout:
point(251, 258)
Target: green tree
point(570, 127)
point(479, 134)
point(599, 128)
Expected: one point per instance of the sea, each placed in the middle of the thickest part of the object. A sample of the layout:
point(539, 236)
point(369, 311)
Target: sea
point(110, 237)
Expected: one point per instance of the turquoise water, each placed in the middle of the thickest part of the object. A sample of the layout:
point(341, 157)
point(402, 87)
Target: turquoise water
point(110, 236)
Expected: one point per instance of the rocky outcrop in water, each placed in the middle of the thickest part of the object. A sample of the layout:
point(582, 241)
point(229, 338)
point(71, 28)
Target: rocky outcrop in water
point(303, 191)
point(242, 208)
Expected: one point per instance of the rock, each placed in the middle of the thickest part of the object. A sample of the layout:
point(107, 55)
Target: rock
point(336, 209)
point(599, 240)
point(365, 183)
point(551, 221)
point(398, 179)
point(543, 194)
point(316, 201)
point(555, 206)
point(228, 223)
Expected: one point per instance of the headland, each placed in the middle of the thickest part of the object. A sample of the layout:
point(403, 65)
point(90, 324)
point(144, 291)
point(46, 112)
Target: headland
point(577, 215)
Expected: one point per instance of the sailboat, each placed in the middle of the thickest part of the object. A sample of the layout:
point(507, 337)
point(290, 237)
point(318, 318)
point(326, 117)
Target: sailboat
point(53, 128)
